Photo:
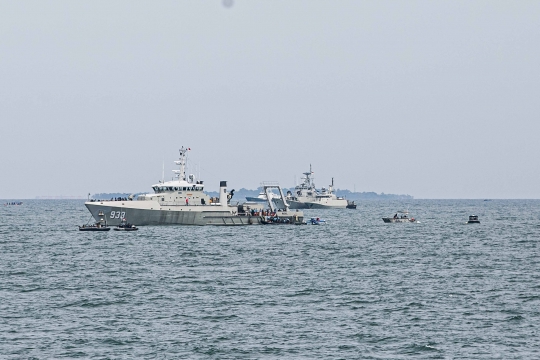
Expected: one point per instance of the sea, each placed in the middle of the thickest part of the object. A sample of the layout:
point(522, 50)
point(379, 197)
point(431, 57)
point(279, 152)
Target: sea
point(354, 288)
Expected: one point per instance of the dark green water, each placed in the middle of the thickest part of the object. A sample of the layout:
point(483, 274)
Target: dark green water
point(355, 288)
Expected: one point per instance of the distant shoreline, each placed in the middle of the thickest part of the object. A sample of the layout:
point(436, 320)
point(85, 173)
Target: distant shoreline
point(241, 194)
point(60, 197)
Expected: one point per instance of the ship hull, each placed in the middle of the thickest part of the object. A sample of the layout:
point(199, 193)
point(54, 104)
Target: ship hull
point(255, 199)
point(316, 204)
point(327, 205)
point(143, 213)
point(295, 204)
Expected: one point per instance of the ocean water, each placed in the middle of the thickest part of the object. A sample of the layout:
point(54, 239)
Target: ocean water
point(355, 288)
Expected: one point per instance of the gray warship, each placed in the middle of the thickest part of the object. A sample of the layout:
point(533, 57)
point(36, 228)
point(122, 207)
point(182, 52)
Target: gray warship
point(182, 202)
point(306, 196)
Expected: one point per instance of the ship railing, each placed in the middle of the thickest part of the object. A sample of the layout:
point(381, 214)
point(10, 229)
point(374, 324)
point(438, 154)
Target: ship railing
point(270, 183)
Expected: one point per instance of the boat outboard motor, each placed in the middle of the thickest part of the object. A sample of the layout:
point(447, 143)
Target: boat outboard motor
point(223, 193)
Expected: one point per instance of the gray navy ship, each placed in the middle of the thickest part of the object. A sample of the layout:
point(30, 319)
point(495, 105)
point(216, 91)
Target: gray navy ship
point(180, 202)
point(306, 196)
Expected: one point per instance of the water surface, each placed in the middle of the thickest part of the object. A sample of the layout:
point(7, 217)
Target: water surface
point(354, 288)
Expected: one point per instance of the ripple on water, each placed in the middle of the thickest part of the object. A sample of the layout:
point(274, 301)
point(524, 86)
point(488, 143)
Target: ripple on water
point(354, 288)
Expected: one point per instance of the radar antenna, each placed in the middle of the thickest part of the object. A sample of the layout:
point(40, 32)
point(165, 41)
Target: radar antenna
point(182, 160)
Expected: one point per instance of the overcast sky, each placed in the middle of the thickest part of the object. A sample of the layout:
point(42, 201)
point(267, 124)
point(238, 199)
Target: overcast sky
point(436, 99)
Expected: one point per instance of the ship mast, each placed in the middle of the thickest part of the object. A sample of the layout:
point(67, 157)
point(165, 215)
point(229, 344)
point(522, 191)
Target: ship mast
point(182, 163)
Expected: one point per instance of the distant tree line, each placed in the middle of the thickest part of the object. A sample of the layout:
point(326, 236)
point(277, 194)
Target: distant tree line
point(240, 195)
point(370, 195)
point(108, 196)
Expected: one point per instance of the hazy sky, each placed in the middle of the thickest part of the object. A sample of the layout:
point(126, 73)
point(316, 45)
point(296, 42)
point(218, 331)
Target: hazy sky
point(436, 99)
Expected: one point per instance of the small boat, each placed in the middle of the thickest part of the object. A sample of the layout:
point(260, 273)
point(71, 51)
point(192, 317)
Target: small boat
point(275, 220)
point(13, 203)
point(94, 227)
point(101, 225)
point(351, 204)
point(281, 217)
point(399, 217)
point(473, 219)
point(317, 221)
point(125, 226)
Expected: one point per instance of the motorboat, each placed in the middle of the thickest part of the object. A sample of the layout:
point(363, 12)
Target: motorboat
point(94, 227)
point(399, 217)
point(473, 219)
point(100, 225)
point(317, 221)
point(351, 204)
point(275, 220)
point(125, 226)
